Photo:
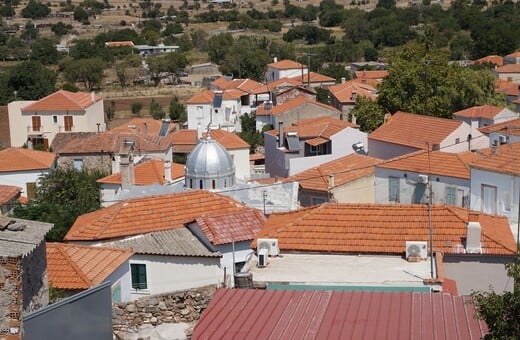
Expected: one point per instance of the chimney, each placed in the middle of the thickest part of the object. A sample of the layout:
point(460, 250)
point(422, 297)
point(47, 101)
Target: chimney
point(145, 128)
point(436, 147)
point(199, 132)
point(387, 118)
point(353, 119)
point(354, 96)
point(473, 236)
point(93, 96)
point(167, 171)
point(343, 80)
point(126, 165)
point(280, 134)
point(275, 60)
point(331, 181)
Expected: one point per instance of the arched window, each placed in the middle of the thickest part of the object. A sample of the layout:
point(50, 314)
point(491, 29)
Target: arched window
point(201, 184)
point(213, 184)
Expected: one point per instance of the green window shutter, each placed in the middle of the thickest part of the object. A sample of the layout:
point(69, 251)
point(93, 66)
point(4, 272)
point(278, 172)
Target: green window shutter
point(138, 271)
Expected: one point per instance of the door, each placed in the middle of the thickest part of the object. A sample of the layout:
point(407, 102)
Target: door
point(36, 123)
point(68, 123)
point(489, 199)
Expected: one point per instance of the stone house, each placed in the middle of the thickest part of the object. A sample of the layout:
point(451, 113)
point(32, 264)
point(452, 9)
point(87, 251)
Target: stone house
point(23, 167)
point(39, 121)
point(348, 179)
point(404, 133)
point(308, 143)
point(23, 273)
point(407, 179)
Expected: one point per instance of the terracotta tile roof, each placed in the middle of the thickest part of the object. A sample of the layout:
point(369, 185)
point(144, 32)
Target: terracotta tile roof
point(71, 266)
point(148, 214)
point(282, 82)
point(119, 43)
point(415, 130)
point(19, 159)
point(364, 81)
point(138, 124)
point(206, 97)
point(324, 127)
point(514, 54)
point(382, 229)
point(8, 193)
point(510, 127)
point(344, 169)
point(286, 64)
point(290, 105)
point(508, 68)
point(314, 78)
point(110, 141)
point(147, 173)
point(504, 159)
point(371, 74)
point(344, 92)
point(61, 139)
point(435, 163)
point(318, 314)
point(247, 85)
point(62, 101)
point(231, 226)
point(493, 59)
point(484, 111)
point(185, 140)
point(506, 87)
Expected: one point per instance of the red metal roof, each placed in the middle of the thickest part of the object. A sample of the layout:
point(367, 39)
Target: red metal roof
point(285, 314)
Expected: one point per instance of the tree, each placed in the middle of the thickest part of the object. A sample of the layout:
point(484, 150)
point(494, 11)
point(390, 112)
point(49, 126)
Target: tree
point(177, 111)
point(61, 197)
point(44, 50)
point(336, 71)
point(31, 80)
point(35, 10)
point(110, 110)
point(249, 132)
point(419, 77)
point(136, 108)
point(81, 15)
point(501, 311)
point(89, 72)
point(156, 111)
point(60, 28)
point(122, 74)
point(167, 63)
point(369, 115)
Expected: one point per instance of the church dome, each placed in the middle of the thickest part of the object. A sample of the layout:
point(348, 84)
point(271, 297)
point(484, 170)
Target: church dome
point(209, 166)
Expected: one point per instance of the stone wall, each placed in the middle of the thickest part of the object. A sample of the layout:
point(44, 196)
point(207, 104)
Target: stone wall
point(182, 306)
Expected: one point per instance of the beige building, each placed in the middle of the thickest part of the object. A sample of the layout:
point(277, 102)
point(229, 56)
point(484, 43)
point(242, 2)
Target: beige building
point(38, 122)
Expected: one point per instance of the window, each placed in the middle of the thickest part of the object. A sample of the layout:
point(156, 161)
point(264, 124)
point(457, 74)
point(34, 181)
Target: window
point(55, 119)
point(116, 293)
point(68, 123)
point(451, 196)
point(507, 202)
point(393, 189)
point(36, 123)
point(78, 164)
point(457, 140)
point(138, 271)
point(489, 199)
point(418, 195)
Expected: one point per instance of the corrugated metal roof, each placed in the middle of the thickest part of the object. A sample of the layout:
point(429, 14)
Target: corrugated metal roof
point(176, 242)
point(20, 237)
point(260, 314)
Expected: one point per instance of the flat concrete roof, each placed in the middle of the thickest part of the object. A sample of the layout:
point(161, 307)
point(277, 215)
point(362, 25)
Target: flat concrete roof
point(341, 270)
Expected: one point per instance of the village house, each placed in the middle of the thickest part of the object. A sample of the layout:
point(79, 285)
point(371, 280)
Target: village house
point(308, 143)
point(38, 122)
point(23, 273)
point(317, 314)
point(512, 58)
point(148, 126)
point(291, 111)
point(145, 173)
point(348, 179)
point(511, 92)
point(404, 133)
point(267, 92)
point(408, 179)
point(23, 167)
point(508, 72)
point(159, 228)
point(343, 96)
point(491, 59)
point(314, 79)
point(481, 116)
point(372, 77)
point(103, 150)
point(9, 195)
point(284, 69)
point(73, 268)
point(374, 246)
point(502, 133)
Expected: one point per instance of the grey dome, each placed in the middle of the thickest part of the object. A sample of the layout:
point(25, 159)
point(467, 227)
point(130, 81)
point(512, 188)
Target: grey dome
point(209, 166)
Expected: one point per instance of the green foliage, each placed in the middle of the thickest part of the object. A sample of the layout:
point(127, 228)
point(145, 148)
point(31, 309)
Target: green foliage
point(35, 10)
point(444, 88)
point(7, 11)
point(249, 132)
point(169, 62)
point(247, 57)
point(501, 311)
point(323, 95)
point(219, 46)
point(136, 108)
point(309, 33)
point(83, 49)
point(110, 110)
point(44, 50)
point(81, 15)
point(177, 111)
point(61, 29)
point(61, 197)
point(336, 71)
point(31, 80)
point(88, 72)
point(122, 74)
point(156, 111)
point(369, 115)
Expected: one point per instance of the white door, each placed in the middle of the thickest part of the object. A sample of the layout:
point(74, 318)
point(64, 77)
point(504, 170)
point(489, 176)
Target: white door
point(489, 199)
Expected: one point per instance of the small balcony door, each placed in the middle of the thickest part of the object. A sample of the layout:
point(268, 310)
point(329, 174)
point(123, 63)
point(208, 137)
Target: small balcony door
point(36, 123)
point(68, 123)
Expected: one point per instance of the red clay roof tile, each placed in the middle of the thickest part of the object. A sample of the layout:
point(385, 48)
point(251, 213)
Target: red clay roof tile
point(63, 101)
point(147, 173)
point(503, 159)
point(508, 68)
point(344, 93)
point(510, 127)
point(8, 193)
point(484, 111)
point(20, 159)
point(291, 104)
point(138, 124)
point(286, 64)
point(382, 229)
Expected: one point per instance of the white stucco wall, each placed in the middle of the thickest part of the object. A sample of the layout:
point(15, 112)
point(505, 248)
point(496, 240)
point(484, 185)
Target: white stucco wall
point(108, 193)
point(478, 140)
point(227, 117)
point(241, 160)
point(121, 276)
point(358, 191)
point(384, 150)
point(275, 74)
point(407, 186)
point(21, 178)
point(18, 125)
point(242, 250)
point(171, 273)
point(507, 192)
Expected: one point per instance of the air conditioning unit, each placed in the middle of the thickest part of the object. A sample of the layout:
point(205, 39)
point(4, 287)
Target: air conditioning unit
point(423, 179)
point(271, 244)
point(262, 257)
point(414, 248)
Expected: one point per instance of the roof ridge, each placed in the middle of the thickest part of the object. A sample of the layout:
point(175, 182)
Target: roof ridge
point(72, 263)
